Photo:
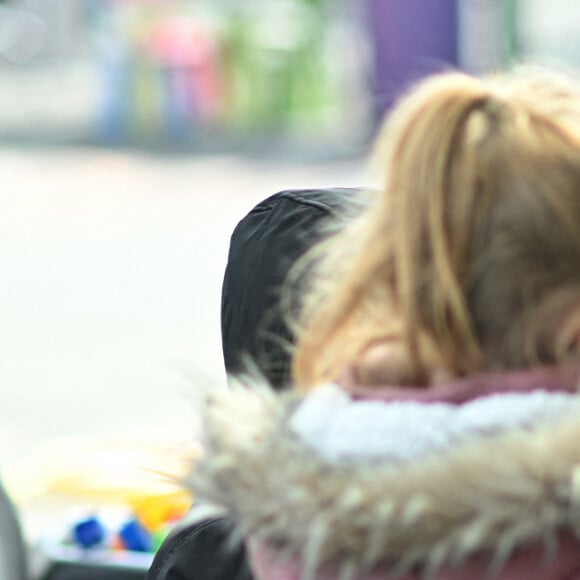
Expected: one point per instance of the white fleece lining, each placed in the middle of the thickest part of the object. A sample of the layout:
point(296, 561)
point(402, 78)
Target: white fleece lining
point(338, 427)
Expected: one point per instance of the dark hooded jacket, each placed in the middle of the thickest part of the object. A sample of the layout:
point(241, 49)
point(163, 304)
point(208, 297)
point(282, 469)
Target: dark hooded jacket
point(263, 247)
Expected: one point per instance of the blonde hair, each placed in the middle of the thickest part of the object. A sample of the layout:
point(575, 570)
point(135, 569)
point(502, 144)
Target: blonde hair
point(468, 257)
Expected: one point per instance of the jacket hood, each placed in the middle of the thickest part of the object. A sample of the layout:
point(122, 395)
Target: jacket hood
point(496, 470)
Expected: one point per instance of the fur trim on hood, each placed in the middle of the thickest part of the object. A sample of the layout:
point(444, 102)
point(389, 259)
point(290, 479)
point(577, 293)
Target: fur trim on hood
point(492, 493)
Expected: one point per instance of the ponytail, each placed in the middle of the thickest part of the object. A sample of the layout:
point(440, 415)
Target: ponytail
point(468, 203)
point(437, 192)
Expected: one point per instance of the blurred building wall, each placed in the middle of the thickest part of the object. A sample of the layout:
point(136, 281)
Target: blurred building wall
point(65, 26)
point(410, 38)
point(486, 34)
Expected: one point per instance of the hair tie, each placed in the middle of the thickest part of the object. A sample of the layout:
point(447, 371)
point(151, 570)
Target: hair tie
point(494, 107)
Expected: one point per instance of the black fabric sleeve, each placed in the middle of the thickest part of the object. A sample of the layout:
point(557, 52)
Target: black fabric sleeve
point(201, 552)
point(263, 247)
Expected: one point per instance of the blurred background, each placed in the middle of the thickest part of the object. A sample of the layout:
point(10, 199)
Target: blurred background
point(230, 75)
point(134, 134)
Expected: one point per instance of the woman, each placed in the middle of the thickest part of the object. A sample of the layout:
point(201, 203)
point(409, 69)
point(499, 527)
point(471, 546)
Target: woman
point(433, 428)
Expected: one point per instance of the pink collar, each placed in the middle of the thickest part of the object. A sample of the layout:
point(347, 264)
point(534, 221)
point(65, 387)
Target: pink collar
point(562, 379)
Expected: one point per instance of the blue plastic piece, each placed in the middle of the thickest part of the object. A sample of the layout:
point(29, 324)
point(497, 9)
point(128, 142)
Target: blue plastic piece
point(89, 532)
point(136, 537)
